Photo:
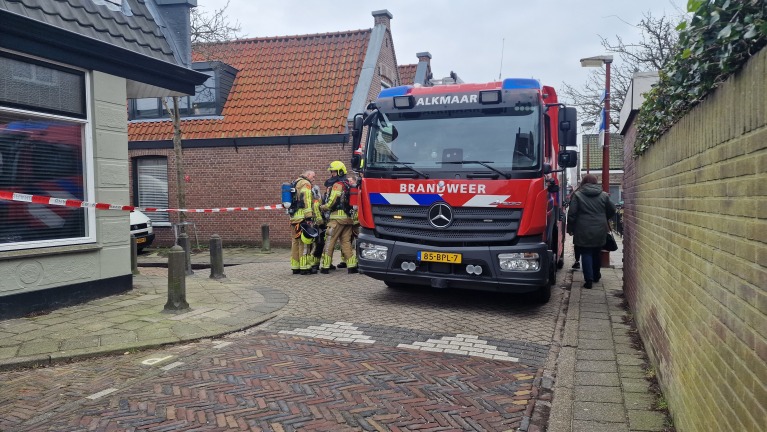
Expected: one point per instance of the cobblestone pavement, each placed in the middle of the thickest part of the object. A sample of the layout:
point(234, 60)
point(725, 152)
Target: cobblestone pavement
point(345, 353)
point(272, 382)
point(358, 299)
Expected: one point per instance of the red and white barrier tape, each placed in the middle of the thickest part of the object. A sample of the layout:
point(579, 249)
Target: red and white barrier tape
point(36, 199)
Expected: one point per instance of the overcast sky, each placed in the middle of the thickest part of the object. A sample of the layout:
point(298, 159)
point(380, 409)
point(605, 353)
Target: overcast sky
point(544, 39)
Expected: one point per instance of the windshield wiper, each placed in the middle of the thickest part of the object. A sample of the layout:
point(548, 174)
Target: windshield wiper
point(483, 163)
point(405, 165)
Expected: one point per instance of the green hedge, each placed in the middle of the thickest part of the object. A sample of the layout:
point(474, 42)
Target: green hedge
point(718, 40)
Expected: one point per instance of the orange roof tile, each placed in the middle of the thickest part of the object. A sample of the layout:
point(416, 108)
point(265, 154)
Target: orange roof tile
point(286, 85)
point(407, 73)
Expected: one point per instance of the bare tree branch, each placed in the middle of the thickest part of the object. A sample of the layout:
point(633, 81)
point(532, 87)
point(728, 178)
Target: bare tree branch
point(652, 52)
point(206, 31)
point(213, 27)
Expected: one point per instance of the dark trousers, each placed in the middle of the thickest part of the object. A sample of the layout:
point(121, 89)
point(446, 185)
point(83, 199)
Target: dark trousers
point(591, 262)
point(577, 251)
point(319, 244)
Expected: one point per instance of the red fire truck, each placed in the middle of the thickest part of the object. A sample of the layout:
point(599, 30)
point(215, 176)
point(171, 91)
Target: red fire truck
point(461, 186)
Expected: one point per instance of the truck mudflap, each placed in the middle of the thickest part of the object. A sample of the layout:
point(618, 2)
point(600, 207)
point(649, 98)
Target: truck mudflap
point(479, 267)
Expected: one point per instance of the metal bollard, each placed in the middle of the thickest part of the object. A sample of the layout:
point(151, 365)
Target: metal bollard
point(216, 258)
point(176, 280)
point(183, 241)
point(265, 247)
point(133, 255)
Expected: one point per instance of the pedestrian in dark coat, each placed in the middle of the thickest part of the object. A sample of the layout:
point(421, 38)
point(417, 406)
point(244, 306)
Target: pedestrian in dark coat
point(587, 221)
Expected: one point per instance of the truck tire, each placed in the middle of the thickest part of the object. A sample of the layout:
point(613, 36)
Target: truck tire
point(552, 270)
point(543, 294)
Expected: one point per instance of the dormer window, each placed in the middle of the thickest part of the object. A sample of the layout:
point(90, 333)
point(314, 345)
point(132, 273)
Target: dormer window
point(209, 98)
point(204, 101)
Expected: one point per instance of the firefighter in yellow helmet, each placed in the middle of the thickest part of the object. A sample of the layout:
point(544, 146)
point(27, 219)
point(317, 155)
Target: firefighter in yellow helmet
point(340, 221)
point(300, 250)
point(354, 182)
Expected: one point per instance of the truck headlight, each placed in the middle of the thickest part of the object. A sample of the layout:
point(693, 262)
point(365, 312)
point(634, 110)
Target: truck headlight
point(373, 252)
point(525, 261)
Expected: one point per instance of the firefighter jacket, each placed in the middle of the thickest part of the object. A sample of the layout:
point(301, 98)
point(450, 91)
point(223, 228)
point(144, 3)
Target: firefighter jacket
point(304, 195)
point(318, 219)
point(337, 201)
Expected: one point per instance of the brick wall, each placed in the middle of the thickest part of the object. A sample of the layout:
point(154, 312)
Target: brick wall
point(247, 176)
point(695, 253)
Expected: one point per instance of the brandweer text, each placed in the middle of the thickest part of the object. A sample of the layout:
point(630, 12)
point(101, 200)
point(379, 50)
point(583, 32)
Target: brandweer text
point(450, 188)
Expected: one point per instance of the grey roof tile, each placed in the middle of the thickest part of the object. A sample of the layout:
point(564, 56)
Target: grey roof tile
point(138, 33)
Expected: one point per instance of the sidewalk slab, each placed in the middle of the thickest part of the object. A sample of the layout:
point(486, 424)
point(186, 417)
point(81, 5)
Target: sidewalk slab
point(137, 319)
point(603, 389)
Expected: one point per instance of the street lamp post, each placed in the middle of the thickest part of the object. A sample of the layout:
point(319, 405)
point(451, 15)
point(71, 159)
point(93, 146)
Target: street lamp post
point(598, 61)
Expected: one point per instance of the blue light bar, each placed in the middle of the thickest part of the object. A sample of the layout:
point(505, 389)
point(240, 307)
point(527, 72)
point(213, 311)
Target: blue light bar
point(520, 83)
point(395, 91)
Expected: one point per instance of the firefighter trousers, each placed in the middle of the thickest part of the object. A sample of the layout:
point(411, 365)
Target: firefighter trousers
point(300, 253)
point(341, 232)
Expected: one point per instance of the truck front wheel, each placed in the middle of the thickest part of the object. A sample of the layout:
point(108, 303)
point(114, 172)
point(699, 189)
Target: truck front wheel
point(543, 294)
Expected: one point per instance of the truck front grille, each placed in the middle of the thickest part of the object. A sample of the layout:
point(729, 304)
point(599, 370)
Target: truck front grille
point(471, 226)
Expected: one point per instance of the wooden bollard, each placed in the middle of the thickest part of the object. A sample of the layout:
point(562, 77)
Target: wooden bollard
point(265, 246)
point(133, 255)
point(216, 258)
point(176, 280)
point(183, 241)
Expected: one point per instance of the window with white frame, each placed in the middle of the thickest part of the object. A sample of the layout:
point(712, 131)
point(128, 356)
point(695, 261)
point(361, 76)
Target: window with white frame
point(151, 185)
point(43, 148)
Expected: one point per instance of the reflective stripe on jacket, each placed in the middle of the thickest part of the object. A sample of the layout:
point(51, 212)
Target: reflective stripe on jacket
point(334, 199)
point(304, 192)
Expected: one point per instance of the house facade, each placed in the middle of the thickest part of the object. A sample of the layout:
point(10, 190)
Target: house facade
point(590, 162)
point(66, 69)
point(284, 105)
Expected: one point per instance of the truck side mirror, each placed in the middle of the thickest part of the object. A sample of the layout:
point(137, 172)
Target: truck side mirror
point(568, 118)
point(356, 162)
point(568, 158)
point(357, 132)
point(356, 142)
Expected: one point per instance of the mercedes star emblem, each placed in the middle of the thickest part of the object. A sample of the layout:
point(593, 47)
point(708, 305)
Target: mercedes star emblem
point(440, 215)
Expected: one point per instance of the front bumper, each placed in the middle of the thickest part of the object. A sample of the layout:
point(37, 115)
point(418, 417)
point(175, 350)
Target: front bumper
point(442, 275)
point(144, 239)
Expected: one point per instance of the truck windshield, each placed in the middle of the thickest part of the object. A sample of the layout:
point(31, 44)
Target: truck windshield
point(507, 136)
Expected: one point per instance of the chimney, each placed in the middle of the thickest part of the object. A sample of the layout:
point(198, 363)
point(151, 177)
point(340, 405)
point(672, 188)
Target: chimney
point(174, 15)
point(382, 16)
point(424, 57)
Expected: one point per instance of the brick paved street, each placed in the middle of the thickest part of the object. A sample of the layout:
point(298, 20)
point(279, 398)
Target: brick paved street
point(268, 381)
point(358, 299)
point(345, 353)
